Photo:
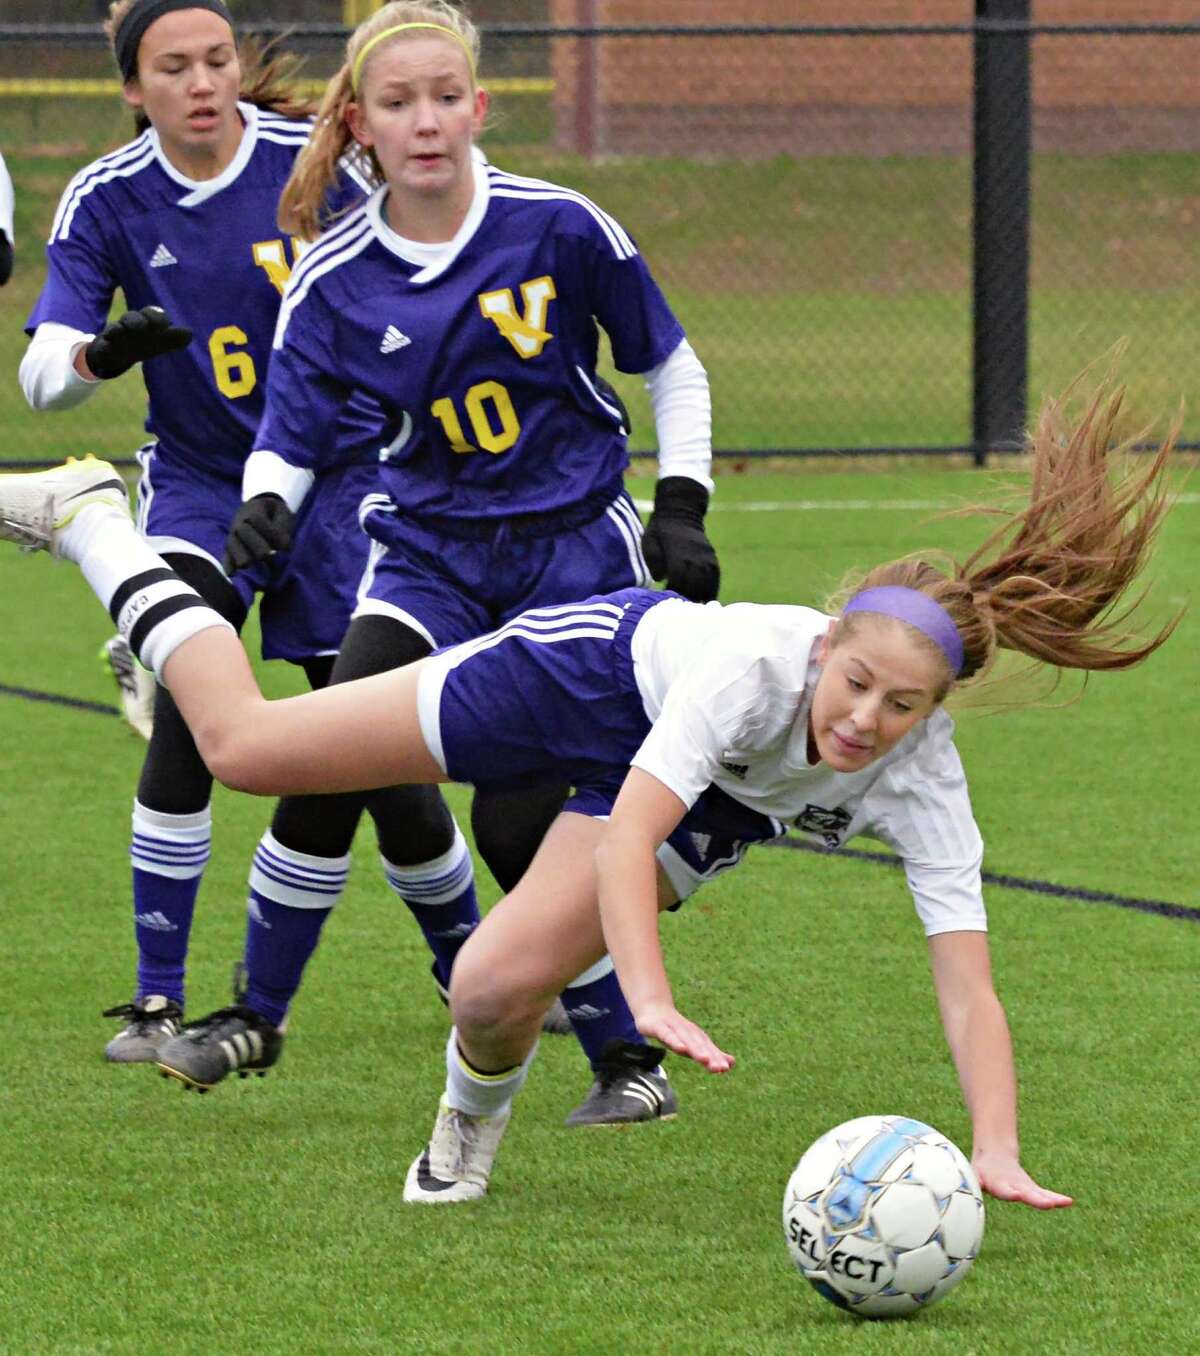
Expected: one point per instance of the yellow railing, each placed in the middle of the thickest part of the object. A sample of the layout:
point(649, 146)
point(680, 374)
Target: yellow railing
point(37, 88)
point(355, 11)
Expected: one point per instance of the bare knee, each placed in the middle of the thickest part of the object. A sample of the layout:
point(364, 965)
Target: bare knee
point(492, 998)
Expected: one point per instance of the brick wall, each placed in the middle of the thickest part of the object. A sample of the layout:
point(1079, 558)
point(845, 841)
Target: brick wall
point(887, 95)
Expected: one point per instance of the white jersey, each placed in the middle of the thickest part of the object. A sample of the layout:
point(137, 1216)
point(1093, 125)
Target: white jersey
point(728, 691)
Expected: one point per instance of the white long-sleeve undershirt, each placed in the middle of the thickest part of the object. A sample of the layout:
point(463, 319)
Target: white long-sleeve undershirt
point(7, 202)
point(47, 373)
point(682, 406)
point(267, 473)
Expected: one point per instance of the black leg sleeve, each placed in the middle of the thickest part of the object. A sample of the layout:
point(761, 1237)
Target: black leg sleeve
point(318, 670)
point(509, 827)
point(174, 779)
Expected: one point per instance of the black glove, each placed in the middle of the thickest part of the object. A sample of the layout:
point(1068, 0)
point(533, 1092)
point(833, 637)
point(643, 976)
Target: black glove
point(674, 543)
point(262, 526)
point(138, 335)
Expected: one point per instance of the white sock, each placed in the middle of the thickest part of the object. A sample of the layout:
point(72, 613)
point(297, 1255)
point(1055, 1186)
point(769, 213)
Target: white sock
point(101, 534)
point(152, 607)
point(481, 1094)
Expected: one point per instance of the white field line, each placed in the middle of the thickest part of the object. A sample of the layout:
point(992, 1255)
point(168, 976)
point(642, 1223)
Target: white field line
point(870, 505)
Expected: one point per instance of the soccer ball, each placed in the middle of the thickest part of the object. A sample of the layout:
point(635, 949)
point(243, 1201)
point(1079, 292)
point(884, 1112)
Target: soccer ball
point(883, 1216)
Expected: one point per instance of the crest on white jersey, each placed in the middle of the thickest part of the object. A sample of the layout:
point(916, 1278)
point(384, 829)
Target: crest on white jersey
point(827, 824)
point(393, 339)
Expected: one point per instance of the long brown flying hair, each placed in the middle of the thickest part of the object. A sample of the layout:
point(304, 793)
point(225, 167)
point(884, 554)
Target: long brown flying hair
point(1051, 580)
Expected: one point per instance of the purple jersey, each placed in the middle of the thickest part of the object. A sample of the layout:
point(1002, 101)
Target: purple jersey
point(483, 359)
point(209, 253)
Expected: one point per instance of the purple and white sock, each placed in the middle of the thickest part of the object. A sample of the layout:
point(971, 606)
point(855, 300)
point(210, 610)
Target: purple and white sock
point(440, 895)
point(168, 854)
point(291, 896)
point(598, 1011)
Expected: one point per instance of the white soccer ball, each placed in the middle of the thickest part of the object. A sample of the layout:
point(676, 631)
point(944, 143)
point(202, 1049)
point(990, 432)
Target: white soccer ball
point(883, 1216)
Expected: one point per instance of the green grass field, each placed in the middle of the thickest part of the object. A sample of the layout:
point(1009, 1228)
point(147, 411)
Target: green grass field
point(266, 1217)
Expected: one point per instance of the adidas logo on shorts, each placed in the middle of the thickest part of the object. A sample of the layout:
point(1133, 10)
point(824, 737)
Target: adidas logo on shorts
point(162, 258)
point(393, 339)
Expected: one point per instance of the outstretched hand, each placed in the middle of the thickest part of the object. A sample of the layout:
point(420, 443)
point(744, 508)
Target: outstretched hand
point(1004, 1178)
point(672, 1029)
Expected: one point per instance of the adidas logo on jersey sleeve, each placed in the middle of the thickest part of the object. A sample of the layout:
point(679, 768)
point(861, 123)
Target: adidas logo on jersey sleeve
point(393, 339)
point(162, 257)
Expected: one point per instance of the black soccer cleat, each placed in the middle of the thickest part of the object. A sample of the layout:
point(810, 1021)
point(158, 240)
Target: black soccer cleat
point(232, 1038)
point(235, 1039)
point(630, 1087)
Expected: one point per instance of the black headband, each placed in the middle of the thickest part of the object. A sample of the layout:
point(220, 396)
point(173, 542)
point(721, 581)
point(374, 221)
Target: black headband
point(128, 37)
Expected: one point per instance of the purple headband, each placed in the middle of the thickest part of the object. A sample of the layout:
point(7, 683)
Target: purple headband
point(917, 609)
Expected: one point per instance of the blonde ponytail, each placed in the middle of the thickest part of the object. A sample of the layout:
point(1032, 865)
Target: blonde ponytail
point(316, 169)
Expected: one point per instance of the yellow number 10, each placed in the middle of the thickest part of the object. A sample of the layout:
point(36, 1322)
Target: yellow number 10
point(234, 371)
point(487, 437)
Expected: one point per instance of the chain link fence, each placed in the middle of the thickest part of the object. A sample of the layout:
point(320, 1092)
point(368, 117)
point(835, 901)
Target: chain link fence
point(805, 196)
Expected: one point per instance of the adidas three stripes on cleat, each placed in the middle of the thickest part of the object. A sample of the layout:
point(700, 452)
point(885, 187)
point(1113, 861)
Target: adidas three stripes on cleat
point(630, 1086)
point(233, 1039)
point(135, 685)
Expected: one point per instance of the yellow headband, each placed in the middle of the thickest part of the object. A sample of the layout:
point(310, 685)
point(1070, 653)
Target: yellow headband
point(402, 28)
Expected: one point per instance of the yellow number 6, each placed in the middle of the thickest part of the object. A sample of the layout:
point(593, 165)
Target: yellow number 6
point(234, 371)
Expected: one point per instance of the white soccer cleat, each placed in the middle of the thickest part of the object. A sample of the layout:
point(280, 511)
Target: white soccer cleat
point(135, 684)
point(456, 1163)
point(35, 506)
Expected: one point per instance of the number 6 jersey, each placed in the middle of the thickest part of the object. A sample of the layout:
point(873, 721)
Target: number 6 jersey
point(209, 253)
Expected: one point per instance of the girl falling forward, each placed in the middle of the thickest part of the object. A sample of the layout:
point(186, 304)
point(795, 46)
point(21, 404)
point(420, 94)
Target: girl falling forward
point(670, 718)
